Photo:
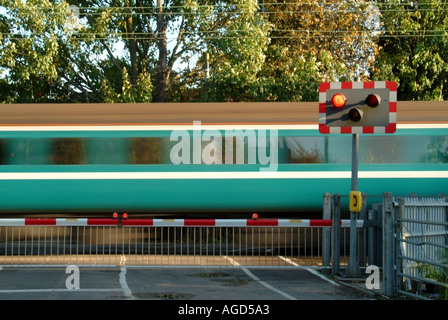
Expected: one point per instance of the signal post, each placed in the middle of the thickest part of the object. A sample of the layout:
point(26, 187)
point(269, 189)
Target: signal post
point(357, 108)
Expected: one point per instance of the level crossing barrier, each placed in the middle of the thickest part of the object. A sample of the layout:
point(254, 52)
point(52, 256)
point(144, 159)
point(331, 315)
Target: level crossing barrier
point(156, 242)
point(406, 237)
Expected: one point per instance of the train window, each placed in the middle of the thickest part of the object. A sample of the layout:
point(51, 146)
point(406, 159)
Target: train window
point(404, 149)
point(372, 149)
point(2, 151)
point(431, 149)
point(107, 151)
point(25, 151)
point(436, 150)
point(303, 149)
point(149, 150)
point(382, 149)
point(68, 151)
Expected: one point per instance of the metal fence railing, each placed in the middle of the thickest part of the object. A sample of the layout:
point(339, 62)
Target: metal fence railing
point(162, 242)
point(58, 241)
point(422, 247)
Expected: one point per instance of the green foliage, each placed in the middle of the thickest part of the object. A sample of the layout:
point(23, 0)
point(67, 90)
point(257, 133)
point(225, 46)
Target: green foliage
point(129, 93)
point(30, 57)
point(437, 273)
point(414, 49)
point(288, 51)
point(142, 51)
point(316, 41)
point(237, 57)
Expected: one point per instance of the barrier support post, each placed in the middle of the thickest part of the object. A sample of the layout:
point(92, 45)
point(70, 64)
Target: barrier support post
point(352, 270)
point(335, 237)
point(388, 244)
point(326, 232)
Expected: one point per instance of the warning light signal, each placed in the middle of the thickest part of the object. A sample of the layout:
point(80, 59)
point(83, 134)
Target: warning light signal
point(338, 100)
point(373, 100)
point(357, 107)
point(355, 114)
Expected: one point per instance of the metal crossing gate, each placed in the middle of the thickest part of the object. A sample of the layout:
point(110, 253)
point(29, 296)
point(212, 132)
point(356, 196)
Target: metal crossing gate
point(156, 242)
point(422, 246)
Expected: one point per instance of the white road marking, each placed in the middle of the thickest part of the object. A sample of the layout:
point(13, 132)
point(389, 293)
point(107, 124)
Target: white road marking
point(124, 285)
point(311, 270)
point(255, 278)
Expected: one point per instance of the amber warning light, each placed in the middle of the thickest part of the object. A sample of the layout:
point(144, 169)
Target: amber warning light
point(338, 100)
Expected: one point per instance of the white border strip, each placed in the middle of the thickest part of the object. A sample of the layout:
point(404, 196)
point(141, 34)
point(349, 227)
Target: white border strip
point(218, 175)
point(12, 222)
point(71, 222)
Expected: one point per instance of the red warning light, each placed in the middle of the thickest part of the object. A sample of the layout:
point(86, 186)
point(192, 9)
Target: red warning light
point(125, 215)
point(115, 215)
point(373, 100)
point(338, 100)
point(355, 114)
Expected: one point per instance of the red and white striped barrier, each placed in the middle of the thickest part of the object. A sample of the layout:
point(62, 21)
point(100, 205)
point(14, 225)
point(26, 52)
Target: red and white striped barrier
point(176, 222)
point(58, 222)
point(235, 223)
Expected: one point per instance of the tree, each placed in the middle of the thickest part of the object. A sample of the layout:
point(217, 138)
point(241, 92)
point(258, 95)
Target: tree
point(139, 91)
point(157, 50)
point(29, 58)
point(84, 64)
point(237, 54)
point(414, 49)
point(316, 41)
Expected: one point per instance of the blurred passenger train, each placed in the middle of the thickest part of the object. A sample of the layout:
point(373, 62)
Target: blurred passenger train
point(216, 167)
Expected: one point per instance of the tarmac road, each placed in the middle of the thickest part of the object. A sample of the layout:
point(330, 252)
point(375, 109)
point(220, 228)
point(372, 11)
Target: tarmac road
point(178, 283)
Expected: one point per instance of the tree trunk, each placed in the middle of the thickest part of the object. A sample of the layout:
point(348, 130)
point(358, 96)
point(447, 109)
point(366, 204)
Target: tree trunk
point(163, 71)
point(132, 43)
point(132, 50)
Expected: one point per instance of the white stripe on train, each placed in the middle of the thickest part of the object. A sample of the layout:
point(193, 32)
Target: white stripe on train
point(220, 175)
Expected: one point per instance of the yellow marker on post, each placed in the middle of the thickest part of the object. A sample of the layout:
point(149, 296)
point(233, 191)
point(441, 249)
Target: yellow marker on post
point(355, 201)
